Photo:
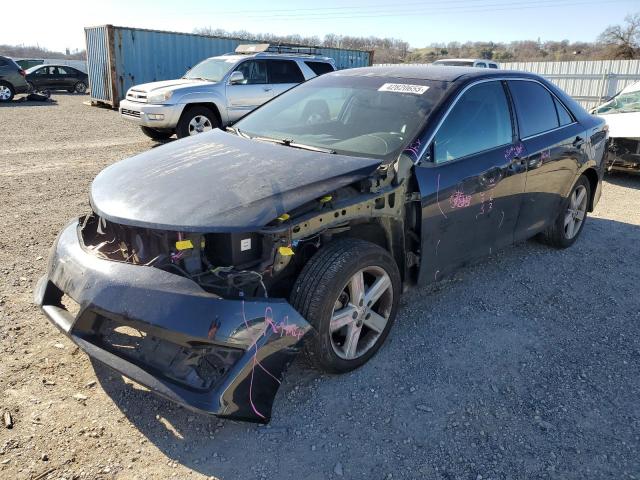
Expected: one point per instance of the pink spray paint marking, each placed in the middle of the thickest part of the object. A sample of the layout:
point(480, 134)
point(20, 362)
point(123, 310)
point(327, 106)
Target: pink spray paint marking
point(283, 328)
point(413, 150)
point(459, 199)
point(514, 151)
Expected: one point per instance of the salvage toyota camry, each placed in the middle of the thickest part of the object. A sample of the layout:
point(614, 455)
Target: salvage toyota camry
point(207, 264)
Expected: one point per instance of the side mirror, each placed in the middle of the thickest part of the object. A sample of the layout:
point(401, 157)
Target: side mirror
point(236, 78)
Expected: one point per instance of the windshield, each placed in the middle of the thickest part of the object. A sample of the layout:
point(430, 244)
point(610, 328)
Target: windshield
point(622, 103)
point(351, 115)
point(212, 69)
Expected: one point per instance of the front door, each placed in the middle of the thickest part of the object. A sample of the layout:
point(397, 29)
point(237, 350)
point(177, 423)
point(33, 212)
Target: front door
point(253, 92)
point(472, 184)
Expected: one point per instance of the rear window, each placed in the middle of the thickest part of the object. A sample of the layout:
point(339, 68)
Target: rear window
point(284, 71)
point(319, 67)
point(535, 107)
point(3, 62)
point(563, 115)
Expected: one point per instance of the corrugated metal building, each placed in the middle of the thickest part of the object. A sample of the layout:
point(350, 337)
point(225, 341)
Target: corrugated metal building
point(120, 57)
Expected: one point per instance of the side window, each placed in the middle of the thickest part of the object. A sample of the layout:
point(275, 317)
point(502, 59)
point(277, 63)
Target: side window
point(254, 71)
point(479, 121)
point(493, 65)
point(481, 65)
point(319, 67)
point(62, 71)
point(563, 115)
point(3, 63)
point(42, 71)
point(284, 71)
point(535, 107)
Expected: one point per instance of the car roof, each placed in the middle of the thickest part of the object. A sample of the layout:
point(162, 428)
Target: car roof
point(464, 60)
point(443, 73)
point(275, 56)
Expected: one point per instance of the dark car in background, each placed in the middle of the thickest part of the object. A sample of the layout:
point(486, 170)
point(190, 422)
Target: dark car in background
point(57, 77)
point(207, 264)
point(12, 79)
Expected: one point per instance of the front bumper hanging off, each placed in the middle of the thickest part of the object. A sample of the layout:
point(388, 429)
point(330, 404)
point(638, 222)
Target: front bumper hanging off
point(213, 355)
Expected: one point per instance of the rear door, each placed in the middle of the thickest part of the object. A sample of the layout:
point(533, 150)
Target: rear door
point(283, 75)
point(472, 184)
point(554, 148)
point(253, 92)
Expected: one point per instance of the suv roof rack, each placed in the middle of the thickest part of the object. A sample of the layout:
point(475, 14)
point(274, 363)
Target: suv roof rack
point(268, 48)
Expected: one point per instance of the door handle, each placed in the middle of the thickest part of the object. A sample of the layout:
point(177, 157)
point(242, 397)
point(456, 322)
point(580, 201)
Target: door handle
point(578, 142)
point(267, 89)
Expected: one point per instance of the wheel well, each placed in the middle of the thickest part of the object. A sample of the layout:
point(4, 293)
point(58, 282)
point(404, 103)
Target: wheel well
point(210, 106)
point(592, 176)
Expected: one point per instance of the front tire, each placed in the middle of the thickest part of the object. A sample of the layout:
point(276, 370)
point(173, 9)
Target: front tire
point(196, 120)
point(6, 92)
point(80, 87)
point(349, 292)
point(156, 134)
point(572, 217)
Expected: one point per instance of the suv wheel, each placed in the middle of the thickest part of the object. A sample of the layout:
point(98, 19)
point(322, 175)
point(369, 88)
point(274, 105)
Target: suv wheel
point(6, 92)
point(196, 120)
point(349, 292)
point(156, 134)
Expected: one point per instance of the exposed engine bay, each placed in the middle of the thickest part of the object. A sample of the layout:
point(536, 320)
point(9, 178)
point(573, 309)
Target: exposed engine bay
point(265, 262)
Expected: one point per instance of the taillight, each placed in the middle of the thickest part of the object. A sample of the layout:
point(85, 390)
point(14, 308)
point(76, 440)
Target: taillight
point(22, 72)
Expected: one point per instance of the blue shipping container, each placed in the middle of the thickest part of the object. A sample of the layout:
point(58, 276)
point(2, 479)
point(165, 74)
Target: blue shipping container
point(121, 57)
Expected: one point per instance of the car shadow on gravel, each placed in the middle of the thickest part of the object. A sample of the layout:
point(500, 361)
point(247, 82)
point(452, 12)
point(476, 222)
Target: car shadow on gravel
point(522, 365)
point(626, 180)
point(23, 102)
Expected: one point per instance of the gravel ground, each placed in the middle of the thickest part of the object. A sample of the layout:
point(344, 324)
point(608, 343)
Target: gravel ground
point(524, 366)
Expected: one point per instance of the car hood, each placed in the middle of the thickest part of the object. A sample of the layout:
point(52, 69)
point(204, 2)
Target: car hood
point(623, 125)
point(217, 181)
point(173, 85)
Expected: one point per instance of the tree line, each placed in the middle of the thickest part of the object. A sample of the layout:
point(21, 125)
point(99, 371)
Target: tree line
point(615, 42)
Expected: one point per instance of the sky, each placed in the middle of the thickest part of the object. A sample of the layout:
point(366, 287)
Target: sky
point(419, 22)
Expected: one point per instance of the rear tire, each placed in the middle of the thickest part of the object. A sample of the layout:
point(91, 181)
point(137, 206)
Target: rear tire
point(336, 292)
point(567, 227)
point(6, 92)
point(156, 134)
point(196, 120)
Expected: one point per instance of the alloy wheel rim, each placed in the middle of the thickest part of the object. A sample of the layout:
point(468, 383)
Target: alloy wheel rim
point(199, 124)
point(576, 212)
point(81, 87)
point(361, 313)
point(5, 93)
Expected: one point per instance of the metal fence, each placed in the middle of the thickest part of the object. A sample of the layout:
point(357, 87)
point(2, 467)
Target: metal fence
point(588, 82)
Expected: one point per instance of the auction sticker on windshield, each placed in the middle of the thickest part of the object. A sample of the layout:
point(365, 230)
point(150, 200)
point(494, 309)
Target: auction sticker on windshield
point(403, 88)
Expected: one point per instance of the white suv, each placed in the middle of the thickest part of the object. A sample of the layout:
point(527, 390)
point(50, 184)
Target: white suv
point(220, 90)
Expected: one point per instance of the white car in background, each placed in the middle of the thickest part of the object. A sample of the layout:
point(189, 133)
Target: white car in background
point(622, 114)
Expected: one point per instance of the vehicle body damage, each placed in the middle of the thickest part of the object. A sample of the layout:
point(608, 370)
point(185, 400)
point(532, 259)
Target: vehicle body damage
point(622, 114)
point(191, 275)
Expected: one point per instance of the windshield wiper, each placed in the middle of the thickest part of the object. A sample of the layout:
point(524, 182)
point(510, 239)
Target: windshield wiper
point(237, 132)
point(292, 144)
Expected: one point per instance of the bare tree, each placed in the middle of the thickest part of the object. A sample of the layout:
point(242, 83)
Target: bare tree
point(624, 40)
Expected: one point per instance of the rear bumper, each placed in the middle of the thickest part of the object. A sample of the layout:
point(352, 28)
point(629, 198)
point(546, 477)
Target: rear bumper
point(213, 355)
point(152, 116)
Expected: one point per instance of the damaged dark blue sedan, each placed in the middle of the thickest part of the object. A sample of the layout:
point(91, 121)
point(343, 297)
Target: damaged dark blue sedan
point(208, 264)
